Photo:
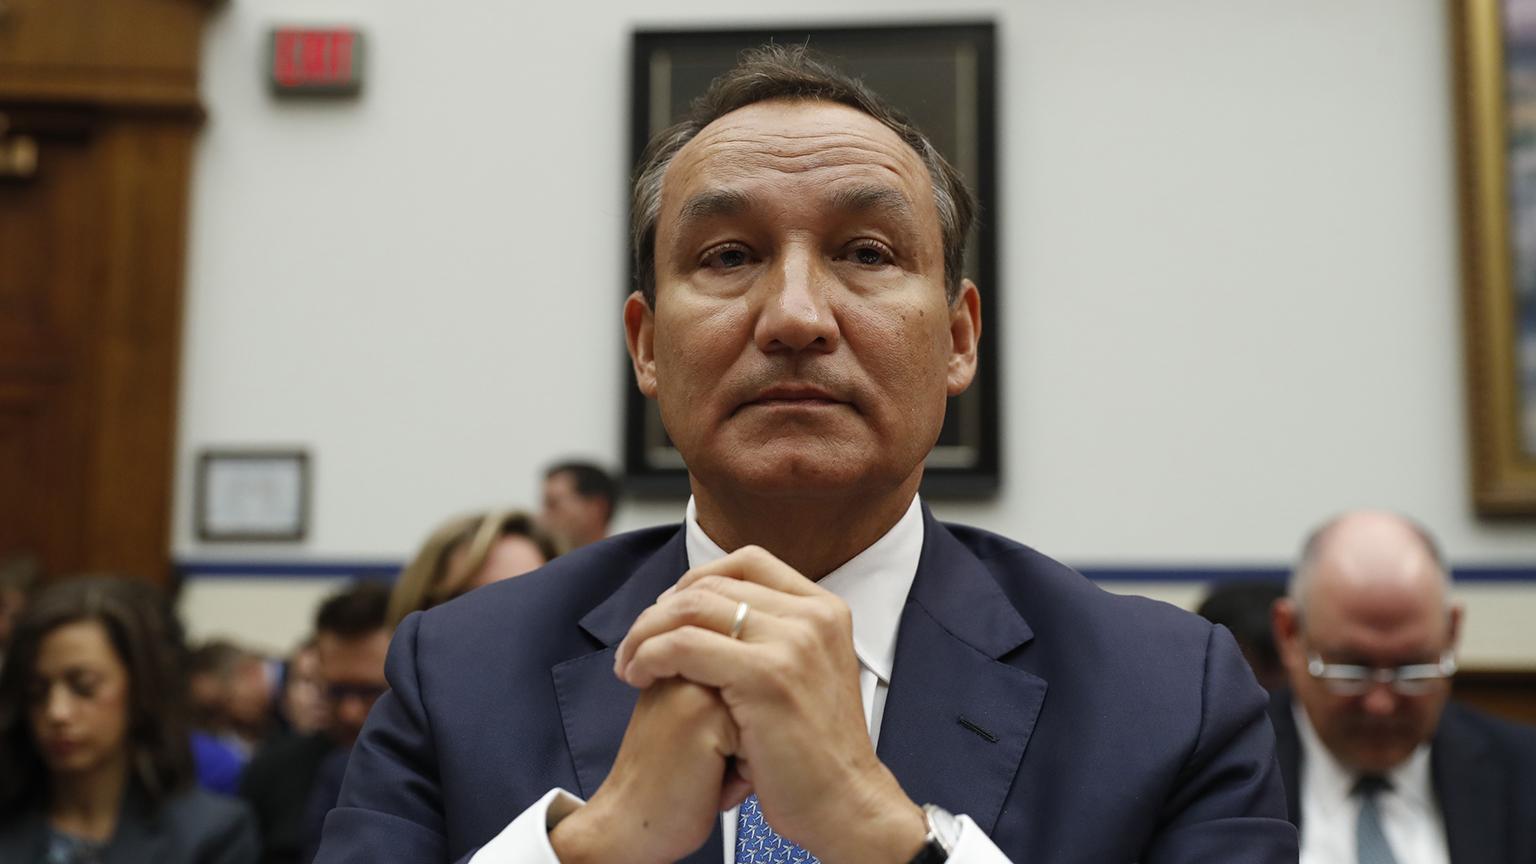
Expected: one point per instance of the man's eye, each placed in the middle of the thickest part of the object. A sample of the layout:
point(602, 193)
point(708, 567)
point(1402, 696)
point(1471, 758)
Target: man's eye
point(870, 254)
point(727, 258)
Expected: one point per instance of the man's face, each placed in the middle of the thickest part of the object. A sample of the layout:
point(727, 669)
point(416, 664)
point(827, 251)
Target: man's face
point(353, 672)
point(801, 340)
point(1378, 626)
point(573, 518)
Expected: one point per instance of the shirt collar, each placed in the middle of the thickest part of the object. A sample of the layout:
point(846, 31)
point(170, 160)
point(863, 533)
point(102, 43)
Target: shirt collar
point(874, 583)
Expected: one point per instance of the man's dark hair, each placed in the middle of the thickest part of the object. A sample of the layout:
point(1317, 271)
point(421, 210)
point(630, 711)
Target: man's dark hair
point(791, 72)
point(354, 612)
point(590, 481)
point(145, 640)
point(1244, 608)
point(216, 657)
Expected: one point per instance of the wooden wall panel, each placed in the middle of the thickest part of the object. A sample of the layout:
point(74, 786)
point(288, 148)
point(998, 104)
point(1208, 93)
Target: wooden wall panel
point(141, 51)
point(92, 260)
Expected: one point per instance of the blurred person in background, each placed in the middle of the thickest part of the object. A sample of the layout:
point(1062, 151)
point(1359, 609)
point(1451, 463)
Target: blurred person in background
point(1379, 764)
point(468, 552)
point(293, 782)
point(1245, 609)
point(302, 706)
point(95, 764)
point(579, 500)
point(232, 691)
point(17, 576)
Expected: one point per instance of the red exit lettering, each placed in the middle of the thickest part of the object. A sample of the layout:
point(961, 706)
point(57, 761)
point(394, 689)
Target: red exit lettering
point(315, 60)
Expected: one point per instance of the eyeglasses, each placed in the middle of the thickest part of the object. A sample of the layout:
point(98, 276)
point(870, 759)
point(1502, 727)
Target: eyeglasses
point(1417, 679)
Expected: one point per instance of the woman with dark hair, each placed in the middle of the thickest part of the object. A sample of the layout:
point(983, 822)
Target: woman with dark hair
point(95, 764)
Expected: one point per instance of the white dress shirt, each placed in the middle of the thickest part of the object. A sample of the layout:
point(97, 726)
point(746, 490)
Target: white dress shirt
point(1410, 814)
point(874, 584)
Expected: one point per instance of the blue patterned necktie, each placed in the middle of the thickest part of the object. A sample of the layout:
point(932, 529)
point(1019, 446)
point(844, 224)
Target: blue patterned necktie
point(756, 843)
point(1370, 840)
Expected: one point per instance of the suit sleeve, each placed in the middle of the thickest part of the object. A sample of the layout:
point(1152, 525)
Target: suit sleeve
point(390, 807)
point(1228, 806)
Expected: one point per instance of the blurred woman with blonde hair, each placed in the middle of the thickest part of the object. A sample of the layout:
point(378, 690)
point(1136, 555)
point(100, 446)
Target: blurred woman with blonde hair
point(468, 552)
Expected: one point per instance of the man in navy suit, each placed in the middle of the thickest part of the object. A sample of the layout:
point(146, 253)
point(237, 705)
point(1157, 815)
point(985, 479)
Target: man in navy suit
point(811, 652)
point(1374, 756)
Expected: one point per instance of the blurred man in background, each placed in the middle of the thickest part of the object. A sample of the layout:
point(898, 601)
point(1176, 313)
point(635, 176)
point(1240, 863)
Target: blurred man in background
point(579, 500)
point(1379, 765)
point(294, 781)
point(232, 692)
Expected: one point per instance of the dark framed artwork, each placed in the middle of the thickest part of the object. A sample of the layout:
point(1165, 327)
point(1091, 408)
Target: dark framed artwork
point(943, 76)
point(252, 495)
point(1496, 112)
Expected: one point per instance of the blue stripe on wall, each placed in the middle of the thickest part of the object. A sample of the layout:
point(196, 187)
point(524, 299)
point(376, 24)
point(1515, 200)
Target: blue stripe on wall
point(384, 570)
point(194, 569)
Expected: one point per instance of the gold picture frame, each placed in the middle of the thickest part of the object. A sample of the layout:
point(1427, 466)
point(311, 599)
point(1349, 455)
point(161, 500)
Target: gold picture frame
point(1495, 100)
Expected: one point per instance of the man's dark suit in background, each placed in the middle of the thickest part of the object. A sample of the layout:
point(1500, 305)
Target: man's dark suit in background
point(1484, 774)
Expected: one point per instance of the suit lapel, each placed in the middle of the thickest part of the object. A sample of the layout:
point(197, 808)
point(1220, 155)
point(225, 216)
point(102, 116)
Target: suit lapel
point(594, 705)
point(1469, 785)
point(956, 720)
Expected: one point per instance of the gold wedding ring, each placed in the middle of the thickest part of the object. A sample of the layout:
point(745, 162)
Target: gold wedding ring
point(741, 619)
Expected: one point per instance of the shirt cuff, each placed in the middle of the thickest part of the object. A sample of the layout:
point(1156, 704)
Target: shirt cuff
point(526, 839)
point(974, 846)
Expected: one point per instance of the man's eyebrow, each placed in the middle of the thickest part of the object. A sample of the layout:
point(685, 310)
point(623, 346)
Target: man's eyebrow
point(863, 198)
point(711, 204)
point(873, 198)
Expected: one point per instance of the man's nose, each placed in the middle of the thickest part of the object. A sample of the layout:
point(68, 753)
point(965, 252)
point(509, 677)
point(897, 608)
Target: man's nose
point(1379, 700)
point(796, 315)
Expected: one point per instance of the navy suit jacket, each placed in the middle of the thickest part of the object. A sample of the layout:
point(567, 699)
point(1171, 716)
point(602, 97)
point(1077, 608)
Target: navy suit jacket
point(1071, 724)
point(1484, 773)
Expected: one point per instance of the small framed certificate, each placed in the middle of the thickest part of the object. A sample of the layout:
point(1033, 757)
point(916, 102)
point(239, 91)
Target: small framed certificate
point(260, 495)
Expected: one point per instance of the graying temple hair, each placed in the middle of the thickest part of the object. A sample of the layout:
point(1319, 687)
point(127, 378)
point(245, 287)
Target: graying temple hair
point(1316, 543)
point(780, 72)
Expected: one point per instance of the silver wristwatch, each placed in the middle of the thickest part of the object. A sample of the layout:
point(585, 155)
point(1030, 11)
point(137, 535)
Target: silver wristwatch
point(943, 834)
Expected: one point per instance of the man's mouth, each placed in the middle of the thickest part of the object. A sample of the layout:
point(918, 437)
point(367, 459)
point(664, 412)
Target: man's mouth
point(795, 395)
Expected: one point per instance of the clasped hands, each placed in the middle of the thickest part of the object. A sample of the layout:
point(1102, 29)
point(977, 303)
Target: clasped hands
point(775, 711)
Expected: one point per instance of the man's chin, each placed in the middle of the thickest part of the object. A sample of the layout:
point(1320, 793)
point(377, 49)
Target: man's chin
point(1380, 757)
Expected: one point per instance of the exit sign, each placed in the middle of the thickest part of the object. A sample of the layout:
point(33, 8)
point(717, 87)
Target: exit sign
point(316, 61)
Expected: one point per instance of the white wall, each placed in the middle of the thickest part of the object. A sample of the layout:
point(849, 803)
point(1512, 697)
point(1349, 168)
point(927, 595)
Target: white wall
point(1229, 269)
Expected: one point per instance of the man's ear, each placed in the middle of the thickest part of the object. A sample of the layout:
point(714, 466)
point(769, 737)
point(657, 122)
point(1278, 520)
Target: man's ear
point(639, 335)
point(1457, 612)
point(964, 335)
point(1285, 621)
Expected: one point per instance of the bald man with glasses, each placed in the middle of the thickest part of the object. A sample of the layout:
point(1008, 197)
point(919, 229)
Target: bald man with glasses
point(1380, 766)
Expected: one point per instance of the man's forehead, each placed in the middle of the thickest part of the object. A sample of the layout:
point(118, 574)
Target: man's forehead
point(794, 137)
point(1343, 606)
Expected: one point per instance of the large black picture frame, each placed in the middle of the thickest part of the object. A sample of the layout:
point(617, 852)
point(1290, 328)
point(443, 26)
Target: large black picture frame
point(943, 76)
